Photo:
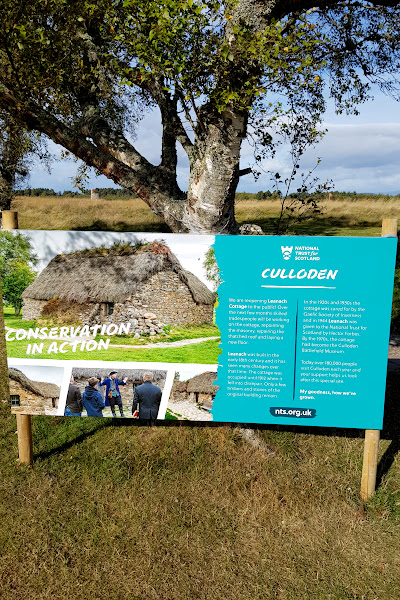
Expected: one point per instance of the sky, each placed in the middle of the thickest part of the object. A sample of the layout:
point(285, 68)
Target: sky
point(359, 153)
point(43, 374)
point(189, 249)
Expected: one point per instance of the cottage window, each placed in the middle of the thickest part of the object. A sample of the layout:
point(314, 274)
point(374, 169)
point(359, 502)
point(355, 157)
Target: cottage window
point(110, 308)
point(53, 402)
point(15, 400)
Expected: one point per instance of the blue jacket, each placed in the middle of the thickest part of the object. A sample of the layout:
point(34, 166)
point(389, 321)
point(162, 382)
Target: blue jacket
point(92, 401)
point(107, 383)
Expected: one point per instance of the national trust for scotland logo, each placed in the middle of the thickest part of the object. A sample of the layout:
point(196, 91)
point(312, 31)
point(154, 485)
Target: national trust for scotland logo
point(286, 252)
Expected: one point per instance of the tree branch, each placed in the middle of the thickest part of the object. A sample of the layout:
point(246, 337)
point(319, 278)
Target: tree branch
point(137, 174)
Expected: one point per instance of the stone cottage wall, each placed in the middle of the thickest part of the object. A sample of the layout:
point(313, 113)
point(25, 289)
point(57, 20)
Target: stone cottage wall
point(179, 391)
point(170, 299)
point(65, 311)
point(31, 403)
point(162, 300)
point(32, 309)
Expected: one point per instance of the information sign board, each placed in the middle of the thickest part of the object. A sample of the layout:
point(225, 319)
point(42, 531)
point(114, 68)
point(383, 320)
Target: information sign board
point(305, 325)
point(303, 321)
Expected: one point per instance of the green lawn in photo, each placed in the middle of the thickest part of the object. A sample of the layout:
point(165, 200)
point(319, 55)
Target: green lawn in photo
point(204, 352)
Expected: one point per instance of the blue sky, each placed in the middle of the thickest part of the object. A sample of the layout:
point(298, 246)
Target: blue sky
point(360, 153)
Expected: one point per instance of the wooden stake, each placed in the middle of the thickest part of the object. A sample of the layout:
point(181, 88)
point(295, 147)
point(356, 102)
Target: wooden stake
point(25, 445)
point(9, 219)
point(24, 424)
point(370, 463)
point(371, 443)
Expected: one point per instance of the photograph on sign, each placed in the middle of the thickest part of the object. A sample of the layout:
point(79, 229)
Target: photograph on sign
point(35, 389)
point(99, 296)
point(298, 326)
point(192, 395)
point(111, 392)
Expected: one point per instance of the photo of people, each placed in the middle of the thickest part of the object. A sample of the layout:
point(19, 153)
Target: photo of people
point(101, 392)
point(192, 395)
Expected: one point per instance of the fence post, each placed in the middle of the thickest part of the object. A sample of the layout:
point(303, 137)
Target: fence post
point(371, 443)
point(24, 424)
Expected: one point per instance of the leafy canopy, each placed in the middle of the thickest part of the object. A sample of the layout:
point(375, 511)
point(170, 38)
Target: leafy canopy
point(99, 64)
point(15, 248)
point(19, 278)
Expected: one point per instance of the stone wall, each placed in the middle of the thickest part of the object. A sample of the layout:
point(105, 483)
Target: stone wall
point(142, 321)
point(32, 309)
point(30, 403)
point(179, 391)
point(170, 299)
point(162, 300)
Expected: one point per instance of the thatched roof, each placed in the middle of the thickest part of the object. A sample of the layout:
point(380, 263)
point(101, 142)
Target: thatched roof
point(203, 383)
point(131, 374)
point(179, 386)
point(110, 274)
point(40, 388)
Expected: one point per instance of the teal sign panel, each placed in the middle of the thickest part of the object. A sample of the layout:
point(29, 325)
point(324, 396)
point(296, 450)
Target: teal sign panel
point(305, 329)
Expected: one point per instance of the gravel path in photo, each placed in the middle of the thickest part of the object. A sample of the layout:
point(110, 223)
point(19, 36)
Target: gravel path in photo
point(167, 344)
point(189, 411)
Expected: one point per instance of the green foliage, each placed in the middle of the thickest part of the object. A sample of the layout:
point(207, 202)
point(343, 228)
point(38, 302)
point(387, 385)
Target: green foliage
point(74, 54)
point(212, 270)
point(15, 248)
point(14, 284)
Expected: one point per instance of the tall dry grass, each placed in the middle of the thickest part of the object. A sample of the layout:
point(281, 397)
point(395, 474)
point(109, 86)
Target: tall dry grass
point(80, 213)
point(344, 216)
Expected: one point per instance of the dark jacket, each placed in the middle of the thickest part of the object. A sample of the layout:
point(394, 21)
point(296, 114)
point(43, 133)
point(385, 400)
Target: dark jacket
point(107, 383)
point(74, 399)
point(93, 402)
point(148, 396)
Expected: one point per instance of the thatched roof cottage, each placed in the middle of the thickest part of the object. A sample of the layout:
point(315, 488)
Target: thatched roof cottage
point(32, 397)
point(200, 389)
point(144, 284)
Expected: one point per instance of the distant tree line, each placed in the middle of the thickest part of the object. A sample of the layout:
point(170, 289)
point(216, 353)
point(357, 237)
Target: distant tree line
point(103, 193)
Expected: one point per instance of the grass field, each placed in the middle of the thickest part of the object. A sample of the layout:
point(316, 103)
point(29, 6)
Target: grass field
point(341, 216)
point(197, 513)
point(204, 352)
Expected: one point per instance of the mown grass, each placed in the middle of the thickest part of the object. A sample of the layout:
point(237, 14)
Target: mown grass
point(195, 513)
point(204, 352)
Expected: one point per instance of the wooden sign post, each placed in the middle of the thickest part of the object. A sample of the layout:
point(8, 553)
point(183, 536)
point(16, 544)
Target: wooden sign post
point(24, 424)
point(371, 443)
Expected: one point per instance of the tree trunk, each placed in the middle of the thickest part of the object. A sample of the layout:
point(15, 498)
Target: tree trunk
point(12, 153)
point(6, 190)
point(214, 175)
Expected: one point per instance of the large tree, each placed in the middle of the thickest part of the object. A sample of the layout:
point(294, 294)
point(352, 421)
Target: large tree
point(81, 71)
point(18, 149)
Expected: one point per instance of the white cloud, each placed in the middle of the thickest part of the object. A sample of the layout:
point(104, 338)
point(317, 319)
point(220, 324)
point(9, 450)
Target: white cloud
point(358, 153)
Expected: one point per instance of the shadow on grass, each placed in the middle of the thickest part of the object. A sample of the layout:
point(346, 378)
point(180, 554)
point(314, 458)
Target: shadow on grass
point(122, 226)
point(390, 431)
point(317, 225)
point(71, 426)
